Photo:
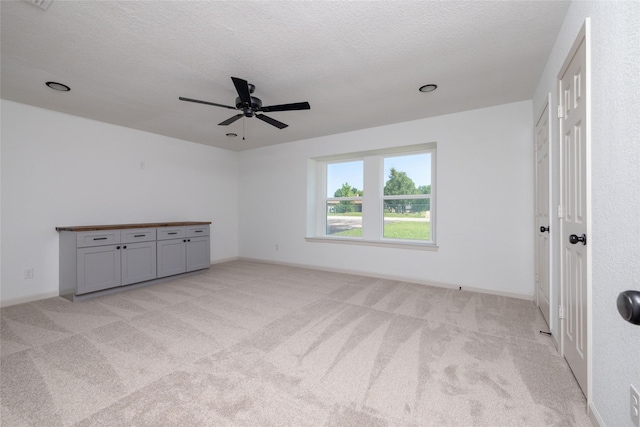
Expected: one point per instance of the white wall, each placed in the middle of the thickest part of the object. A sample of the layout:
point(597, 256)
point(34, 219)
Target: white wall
point(615, 195)
point(61, 170)
point(485, 202)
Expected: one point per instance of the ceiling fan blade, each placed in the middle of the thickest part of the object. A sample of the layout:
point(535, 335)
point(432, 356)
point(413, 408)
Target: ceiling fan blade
point(271, 121)
point(287, 107)
point(230, 120)
point(206, 103)
point(243, 89)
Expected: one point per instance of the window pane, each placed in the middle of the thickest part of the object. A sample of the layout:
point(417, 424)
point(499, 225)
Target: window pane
point(407, 219)
point(406, 175)
point(344, 218)
point(345, 179)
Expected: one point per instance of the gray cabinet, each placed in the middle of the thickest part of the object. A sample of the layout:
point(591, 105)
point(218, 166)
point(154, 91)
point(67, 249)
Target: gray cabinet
point(198, 247)
point(138, 262)
point(189, 252)
point(100, 265)
point(138, 254)
point(98, 260)
point(98, 268)
point(172, 257)
point(198, 253)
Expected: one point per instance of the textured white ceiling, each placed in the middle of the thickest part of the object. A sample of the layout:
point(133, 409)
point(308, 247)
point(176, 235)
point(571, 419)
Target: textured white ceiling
point(359, 64)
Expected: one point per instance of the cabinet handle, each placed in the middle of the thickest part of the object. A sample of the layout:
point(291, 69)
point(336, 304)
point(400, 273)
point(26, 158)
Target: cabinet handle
point(198, 231)
point(185, 240)
point(99, 238)
point(124, 247)
point(188, 240)
point(175, 232)
point(117, 247)
point(139, 235)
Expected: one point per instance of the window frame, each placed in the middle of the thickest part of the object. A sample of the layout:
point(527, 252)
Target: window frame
point(372, 200)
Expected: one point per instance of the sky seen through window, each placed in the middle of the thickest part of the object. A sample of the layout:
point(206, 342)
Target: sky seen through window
point(417, 167)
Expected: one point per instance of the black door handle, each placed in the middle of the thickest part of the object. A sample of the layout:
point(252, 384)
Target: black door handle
point(573, 239)
point(629, 306)
point(543, 229)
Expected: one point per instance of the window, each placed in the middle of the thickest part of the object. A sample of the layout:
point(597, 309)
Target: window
point(407, 197)
point(344, 199)
point(382, 197)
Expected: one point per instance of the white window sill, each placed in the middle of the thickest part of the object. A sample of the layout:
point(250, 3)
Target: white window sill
point(386, 244)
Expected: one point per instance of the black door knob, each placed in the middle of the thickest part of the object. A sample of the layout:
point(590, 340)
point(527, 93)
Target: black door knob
point(543, 229)
point(573, 239)
point(629, 306)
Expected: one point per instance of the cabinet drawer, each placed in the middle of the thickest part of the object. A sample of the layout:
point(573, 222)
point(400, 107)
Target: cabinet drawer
point(198, 230)
point(138, 235)
point(97, 238)
point(171, 233)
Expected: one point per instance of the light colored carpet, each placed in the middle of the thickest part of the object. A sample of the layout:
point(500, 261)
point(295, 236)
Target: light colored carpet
point(254, 344)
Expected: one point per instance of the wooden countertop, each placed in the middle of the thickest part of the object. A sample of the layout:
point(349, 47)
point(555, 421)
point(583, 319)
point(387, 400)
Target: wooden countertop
point(124, 226)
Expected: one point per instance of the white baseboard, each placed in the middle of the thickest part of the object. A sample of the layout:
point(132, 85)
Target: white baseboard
point(595, 417)
point(556, 342)
point(526, 297)
point(30, 298)
point(220, 261)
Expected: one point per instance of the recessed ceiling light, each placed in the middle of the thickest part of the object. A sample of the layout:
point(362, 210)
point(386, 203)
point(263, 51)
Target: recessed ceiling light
point(232, 135)
point(428, 88)
point(58, 86)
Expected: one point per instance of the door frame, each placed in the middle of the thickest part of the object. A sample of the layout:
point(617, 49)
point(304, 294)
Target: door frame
point(583, 34)
point(552, 300)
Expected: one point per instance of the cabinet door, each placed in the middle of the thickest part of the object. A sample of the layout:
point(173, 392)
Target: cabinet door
point(198, 253)
point(98, 268)
point(138, 262)
point(172, 257)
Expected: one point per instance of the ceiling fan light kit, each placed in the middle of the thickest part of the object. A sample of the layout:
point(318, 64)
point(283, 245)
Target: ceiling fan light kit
point(251, 106)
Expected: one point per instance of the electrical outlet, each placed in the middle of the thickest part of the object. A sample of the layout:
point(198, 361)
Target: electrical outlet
point(28, 273)
point(635, 406)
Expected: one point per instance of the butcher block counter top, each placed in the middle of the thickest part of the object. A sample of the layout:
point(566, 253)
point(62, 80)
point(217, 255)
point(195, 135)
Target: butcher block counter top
point(124, 226)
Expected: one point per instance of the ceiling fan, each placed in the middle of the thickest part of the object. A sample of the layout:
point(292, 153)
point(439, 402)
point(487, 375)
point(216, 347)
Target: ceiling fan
point(252, 106)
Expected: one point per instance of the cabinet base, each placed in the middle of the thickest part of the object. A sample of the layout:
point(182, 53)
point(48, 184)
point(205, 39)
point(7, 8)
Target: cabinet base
point(82, 297)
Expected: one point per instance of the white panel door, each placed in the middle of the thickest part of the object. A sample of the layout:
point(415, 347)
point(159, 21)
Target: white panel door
point(575, 206)
point(543, 220)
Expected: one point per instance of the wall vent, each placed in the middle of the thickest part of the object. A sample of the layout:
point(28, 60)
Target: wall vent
point(42, 4)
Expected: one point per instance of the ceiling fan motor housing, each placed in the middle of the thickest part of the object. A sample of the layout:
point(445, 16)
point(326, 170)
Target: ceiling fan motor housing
point(256, 105)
